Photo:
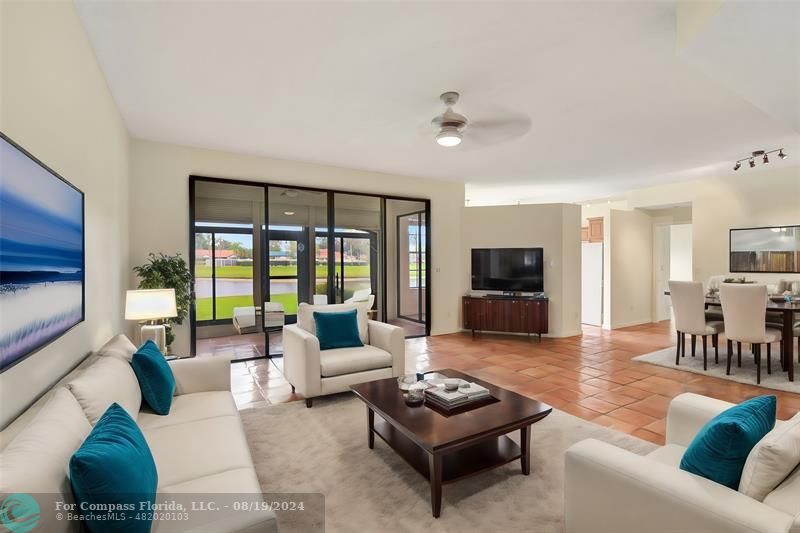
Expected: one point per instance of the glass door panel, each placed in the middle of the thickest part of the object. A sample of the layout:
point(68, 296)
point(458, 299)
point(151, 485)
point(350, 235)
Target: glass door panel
point(233, 273)
point(358, 241)
point(204, 276)
point(296, 253)
point(355, 266)
point(407, 271)
point(283, 273)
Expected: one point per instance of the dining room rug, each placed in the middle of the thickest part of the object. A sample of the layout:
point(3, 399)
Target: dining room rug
point(746, 374)
point(324, 450)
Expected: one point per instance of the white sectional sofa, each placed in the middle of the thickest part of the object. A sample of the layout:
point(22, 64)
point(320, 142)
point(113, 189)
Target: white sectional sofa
point(199, 447)
point(611, 490)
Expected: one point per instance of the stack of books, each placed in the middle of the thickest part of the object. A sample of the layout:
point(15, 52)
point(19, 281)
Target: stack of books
point(445, 399)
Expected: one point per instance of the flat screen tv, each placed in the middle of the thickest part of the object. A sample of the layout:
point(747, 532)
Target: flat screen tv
point(41, 254)
point(508, 269)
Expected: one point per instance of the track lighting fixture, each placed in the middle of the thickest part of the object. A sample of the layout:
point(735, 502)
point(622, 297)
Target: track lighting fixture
point(764, 155)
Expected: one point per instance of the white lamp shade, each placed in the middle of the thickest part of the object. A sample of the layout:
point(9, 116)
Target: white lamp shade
point(150, 304)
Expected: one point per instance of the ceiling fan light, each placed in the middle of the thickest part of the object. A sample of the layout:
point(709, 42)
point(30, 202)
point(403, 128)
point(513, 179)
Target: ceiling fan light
point(449, 137)
point(752, 163)
point(737, 166)
point(781, 154)
point(766, 159)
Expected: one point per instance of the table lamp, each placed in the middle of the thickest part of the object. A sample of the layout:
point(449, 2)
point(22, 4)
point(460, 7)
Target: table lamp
point(150, 307)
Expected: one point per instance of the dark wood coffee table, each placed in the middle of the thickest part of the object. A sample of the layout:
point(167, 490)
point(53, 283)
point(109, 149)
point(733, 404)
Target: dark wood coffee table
point(445, 448)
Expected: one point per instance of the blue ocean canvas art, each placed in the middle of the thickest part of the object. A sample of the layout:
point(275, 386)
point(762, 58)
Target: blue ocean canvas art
point(41, 254)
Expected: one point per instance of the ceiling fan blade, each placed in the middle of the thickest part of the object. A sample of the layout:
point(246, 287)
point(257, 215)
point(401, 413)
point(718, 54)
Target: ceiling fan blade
point(491, 131)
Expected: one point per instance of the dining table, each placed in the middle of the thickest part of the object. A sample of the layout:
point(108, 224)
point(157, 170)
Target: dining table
point(787, 311)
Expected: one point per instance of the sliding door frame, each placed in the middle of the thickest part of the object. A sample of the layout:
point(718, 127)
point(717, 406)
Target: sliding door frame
point(194, 178)
point(419, 215)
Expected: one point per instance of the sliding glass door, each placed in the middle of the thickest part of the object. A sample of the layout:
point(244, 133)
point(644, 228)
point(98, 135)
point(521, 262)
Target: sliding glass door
point(260, 250)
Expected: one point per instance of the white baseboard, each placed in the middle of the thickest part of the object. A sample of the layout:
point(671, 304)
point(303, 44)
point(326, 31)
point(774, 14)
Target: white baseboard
point(631, 323)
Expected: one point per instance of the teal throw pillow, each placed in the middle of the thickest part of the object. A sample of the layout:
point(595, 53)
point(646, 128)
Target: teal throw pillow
point(112, 474)
point(155, 377)
point(338, 329)
point(719, 450)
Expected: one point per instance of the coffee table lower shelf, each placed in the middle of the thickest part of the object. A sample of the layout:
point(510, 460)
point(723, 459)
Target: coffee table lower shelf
point(458, 464)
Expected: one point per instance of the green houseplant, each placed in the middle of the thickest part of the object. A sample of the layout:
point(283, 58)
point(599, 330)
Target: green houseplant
point(168, 272)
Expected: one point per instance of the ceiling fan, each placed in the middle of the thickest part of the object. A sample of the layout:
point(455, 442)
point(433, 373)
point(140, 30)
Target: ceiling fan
point(500, 126)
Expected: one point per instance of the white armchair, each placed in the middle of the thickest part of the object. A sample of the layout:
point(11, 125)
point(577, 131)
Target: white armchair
point(314, 372)
point(611, 490)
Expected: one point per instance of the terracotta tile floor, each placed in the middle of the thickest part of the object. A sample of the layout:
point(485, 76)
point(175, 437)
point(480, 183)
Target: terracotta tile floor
point(590, 376)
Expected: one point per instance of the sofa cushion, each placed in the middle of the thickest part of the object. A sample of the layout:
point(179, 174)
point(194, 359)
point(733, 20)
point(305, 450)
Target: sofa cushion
point(114, 468)
point(669, 455)
point(154, 376)
point(108, 380)
point(189, 408)
point(337, 330)
point(719, 450)
point(191, 450)
point(341, 361)
point(772, 460)
point(786, 497)
point(119, 346)
point(35, 461)
point(305, 316)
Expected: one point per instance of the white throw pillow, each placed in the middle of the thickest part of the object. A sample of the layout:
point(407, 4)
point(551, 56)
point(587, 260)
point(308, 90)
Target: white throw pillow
point(107, 380)
point(36, 461)
point(305, 316)
point(772, 460)
point(119, 346)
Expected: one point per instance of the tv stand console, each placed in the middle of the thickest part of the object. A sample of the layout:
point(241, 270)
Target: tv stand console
point(505, 314)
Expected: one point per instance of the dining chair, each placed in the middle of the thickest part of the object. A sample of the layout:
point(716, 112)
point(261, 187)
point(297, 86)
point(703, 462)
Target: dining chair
point(744, 314)
point(688, 304)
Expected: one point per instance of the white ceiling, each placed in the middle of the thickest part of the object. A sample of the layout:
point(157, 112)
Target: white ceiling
point(608, 101)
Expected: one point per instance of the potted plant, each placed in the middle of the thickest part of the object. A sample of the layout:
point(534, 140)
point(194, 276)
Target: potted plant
point(168, 272)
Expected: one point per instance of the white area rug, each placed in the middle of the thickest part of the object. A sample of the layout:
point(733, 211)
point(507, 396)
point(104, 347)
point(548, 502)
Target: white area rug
point(324, 450)
point(778, 380)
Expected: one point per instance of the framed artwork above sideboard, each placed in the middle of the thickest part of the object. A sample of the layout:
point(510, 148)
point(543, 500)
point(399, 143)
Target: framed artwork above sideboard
point(773, 249)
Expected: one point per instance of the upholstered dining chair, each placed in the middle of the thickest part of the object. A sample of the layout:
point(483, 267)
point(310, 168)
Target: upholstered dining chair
point(744, 314)
point(688, 304)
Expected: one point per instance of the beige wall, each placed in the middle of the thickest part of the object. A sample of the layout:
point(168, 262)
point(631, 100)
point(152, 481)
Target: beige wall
point(55, 103)
point(160, 203)
point(763, 196)
point(631, 268)
point(554, 227)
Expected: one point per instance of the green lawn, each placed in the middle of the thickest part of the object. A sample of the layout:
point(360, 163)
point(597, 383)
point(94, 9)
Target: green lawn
point(246, 272)
point(225, 305)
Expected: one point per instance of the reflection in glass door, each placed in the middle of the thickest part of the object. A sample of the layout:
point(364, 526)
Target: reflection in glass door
point(412, 267)
point(358, 238)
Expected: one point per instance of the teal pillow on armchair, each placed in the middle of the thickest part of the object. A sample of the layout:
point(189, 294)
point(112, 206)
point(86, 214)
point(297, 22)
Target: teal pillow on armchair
point(155, 377)
point(337, 329)
point(719, 450)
